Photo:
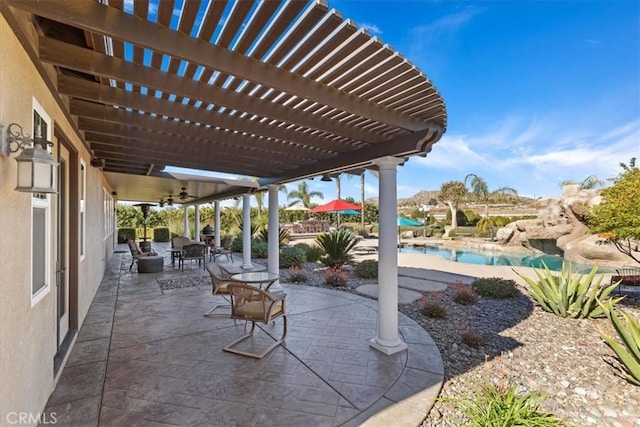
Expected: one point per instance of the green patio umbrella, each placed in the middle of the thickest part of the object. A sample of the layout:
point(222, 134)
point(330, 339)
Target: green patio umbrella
point(405, 222)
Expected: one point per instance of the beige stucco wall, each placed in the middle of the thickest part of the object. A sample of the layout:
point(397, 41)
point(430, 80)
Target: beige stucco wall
point(28, 334)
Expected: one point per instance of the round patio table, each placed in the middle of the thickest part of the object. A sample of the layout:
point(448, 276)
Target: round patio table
point(261, 278)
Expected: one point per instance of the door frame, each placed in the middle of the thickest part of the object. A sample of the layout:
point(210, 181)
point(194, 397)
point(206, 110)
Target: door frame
point(73, 166)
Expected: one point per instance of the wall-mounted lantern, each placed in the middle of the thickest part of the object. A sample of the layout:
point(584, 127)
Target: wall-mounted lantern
point(36, 166)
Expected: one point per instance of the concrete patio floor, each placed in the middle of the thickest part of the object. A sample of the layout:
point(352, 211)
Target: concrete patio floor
point(144, 357)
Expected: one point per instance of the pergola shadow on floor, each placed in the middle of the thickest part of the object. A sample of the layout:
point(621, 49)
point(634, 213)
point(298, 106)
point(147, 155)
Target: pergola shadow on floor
point(146, 357)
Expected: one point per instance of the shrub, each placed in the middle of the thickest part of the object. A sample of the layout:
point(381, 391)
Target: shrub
point(161, 234)
point(495, 287)
point(303, 246)
point(570, 295)
point(367, 269)
point(492, 405)
point(291, 257)
point(362, 232)
point(336, 246)
point(312, 253)
point(236, 244)
point(296, 275)
point(259, 249)
point(283, 236)
point(125, 234)
point(463, 294)
point(473, 339)
point(628, 353)
point(432, 308)
point(335, 276)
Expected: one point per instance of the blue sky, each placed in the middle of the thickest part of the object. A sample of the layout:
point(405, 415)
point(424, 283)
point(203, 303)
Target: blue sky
point(537, 92)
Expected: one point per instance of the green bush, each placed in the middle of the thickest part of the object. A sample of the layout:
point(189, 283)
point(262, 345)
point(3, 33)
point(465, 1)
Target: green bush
point(283, 236)
point(337, 246)
point(304, 247)
point(570, 295)
point(367, 269)
point(495, 287)
point(125, 234)
point(628, 352)
point(492, 405)
point(259, 249)
point(236, 244)
point(161, 234)
point(315, 254)
point(291, 257)
point(312, 253)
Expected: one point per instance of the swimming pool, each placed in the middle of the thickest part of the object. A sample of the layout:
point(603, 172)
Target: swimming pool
point(486, 257)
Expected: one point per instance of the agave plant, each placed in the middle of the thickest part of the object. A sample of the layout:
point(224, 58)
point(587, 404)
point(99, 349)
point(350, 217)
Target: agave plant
point(629, 351)
point(570, 295)
point(337, 245)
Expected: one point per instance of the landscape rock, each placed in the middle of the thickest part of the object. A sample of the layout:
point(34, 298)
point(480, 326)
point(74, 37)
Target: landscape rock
point(504, 234)
point(563, 220)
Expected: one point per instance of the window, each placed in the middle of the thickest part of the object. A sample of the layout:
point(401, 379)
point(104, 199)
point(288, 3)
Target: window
point(40, 221)
point(109, 213)
point(83, 194)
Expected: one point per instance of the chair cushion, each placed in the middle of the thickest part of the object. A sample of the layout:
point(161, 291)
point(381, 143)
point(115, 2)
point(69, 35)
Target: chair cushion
point(150, 264)
point(630, 280)
point(255, 309)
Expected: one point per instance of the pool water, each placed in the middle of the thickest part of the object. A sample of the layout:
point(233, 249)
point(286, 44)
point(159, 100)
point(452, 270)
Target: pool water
point(484, 257)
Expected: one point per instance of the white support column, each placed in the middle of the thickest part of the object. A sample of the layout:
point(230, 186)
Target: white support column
point(217, 224)
point(197, 218)
point(273, 258)
point(246, 232)
point(185, 212)
point(388, 339)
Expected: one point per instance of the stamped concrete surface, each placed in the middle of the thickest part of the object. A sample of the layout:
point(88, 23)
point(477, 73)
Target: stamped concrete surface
point(144, 357)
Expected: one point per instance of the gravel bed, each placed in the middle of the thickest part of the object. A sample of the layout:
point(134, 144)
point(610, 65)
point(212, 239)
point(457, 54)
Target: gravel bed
point(562, 359)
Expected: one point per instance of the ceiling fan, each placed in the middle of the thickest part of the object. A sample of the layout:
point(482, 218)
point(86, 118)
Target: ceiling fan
point(182, 195)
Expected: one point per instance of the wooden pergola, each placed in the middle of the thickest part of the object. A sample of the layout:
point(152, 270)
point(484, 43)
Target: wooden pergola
point(279, 90)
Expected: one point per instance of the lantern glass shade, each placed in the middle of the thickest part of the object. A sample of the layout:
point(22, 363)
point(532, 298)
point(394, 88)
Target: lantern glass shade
point(36, 171)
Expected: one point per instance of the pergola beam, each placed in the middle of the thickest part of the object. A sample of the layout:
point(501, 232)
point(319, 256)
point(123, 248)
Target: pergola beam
point(95, 17)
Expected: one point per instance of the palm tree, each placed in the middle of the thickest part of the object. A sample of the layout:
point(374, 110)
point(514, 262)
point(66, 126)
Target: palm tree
point(589, 183)
point(480, 189)
point(303, 195)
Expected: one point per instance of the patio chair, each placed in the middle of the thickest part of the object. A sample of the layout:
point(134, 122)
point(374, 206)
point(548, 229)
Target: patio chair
point(136, 253)
point(179, 241)
point(255, 305)
point(193, 252)
point(225, 249)
point(220, 284)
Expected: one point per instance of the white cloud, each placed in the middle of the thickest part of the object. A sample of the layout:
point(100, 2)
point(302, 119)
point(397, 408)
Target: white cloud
point(432, 35)
point(372, 28)
point(452, 152)
point(535, 155)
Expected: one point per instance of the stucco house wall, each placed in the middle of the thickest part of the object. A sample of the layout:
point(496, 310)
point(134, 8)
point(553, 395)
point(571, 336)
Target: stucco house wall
point(28, 333)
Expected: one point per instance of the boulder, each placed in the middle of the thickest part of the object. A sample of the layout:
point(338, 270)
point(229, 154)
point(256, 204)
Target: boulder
point(590, 249)
point(524, 224)
point(563, 220)
point(504, 234)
